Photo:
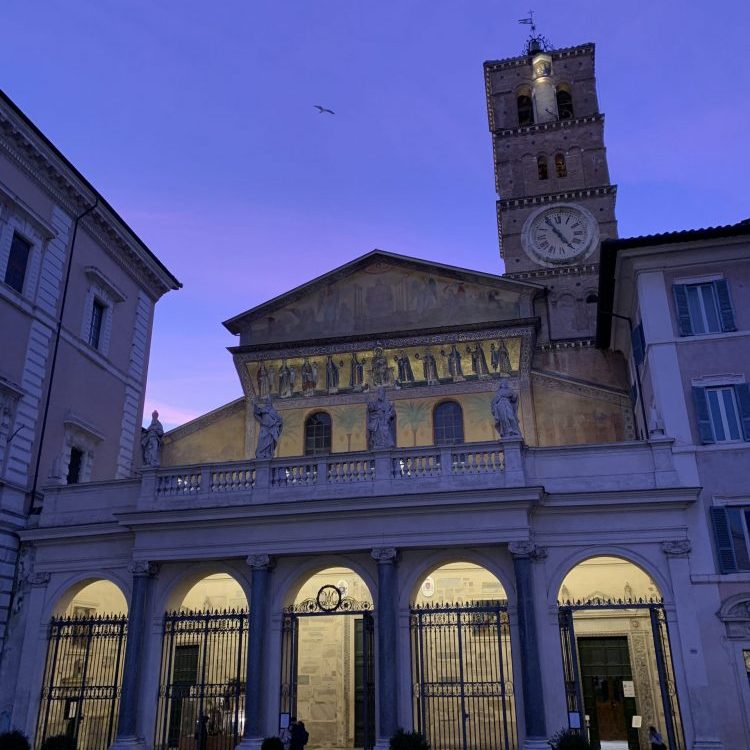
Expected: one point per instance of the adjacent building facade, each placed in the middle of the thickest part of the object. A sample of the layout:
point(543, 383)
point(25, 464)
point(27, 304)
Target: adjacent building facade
point(484, 507)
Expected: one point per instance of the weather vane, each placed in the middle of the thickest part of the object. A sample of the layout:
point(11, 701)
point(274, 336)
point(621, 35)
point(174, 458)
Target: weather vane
point(536, 42)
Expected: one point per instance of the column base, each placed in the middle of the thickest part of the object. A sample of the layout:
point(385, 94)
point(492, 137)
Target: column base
point(707, 743)
point(535, 743)
point(250, 743)
point(382, 743)
point(128, 743)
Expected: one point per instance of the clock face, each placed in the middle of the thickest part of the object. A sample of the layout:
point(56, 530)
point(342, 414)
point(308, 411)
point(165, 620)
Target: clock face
point(560, 234)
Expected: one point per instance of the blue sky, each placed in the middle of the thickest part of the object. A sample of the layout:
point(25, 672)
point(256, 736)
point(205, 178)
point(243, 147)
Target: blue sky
point(196, 121)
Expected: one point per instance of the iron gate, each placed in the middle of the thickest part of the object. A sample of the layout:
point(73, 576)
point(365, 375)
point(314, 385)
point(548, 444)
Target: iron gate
point(462, 675)
point(82, 680)
point(662, 651)
point(202, 683)
point(330, 601)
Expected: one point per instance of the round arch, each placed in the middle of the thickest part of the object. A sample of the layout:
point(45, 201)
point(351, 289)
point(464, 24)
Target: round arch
point(290, 586)
point(106, 593)
point(178, 583)
point(418, 573)
point(642, 564)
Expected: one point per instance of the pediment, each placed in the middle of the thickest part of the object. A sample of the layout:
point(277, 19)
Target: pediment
point(384, 293)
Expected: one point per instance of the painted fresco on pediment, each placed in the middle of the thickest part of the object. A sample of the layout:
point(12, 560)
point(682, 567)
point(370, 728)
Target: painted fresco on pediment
point(362, 370)
point(384, 297)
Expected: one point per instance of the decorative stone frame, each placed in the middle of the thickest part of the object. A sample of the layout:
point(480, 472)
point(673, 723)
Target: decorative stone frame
point(78, 434)
point(107, 293)
point(16, 218)
point(735, 614)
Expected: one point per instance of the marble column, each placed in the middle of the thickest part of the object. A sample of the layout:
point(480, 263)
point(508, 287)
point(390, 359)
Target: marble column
point(254, 732)
point(524, 553)
point(127, 723)
point(386, 611)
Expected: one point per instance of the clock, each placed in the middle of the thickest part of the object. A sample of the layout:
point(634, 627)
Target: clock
point(560, 234)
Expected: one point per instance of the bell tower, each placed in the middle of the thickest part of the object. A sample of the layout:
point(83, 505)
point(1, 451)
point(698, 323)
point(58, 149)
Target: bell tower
point(555, 201)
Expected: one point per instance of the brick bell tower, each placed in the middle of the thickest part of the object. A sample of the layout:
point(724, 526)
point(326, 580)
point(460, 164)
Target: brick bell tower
point(555, 201)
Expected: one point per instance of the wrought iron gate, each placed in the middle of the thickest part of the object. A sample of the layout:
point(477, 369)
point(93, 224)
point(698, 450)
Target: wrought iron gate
point(202, 683)
point(330, 601)
point(462, 676)
point(82, 680)
point(663, 656)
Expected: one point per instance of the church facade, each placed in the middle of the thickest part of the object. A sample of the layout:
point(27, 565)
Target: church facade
point(483, 507)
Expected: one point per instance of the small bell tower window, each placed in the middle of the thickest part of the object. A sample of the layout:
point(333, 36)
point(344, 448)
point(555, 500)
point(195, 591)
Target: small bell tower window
point(561, 169)
point(541, 167)
point(564, 103)
point(525, 108)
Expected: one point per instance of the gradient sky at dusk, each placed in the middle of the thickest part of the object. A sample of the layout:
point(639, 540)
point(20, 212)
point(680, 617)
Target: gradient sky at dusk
point(196, 121)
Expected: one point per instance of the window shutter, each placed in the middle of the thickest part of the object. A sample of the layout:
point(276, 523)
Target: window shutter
point(725, 305)
point(723, 540)
point(705, 429)
point(683, 312)
point(743, 400)
point(639, 344)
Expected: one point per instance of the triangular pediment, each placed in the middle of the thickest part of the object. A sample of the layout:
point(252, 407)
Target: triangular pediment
point(384, 293)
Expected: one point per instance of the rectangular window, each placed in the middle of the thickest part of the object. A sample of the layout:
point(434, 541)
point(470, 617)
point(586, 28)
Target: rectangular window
point(97, 317)
point(723, 413)
point(731, 525)
point(703, 308)
point(15, 272)
point(74, 465)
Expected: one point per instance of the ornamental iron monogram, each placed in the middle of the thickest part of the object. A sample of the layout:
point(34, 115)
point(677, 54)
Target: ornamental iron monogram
point(329, 600)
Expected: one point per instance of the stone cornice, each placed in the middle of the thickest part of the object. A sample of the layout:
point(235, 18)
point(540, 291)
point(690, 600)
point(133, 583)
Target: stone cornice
point(557, 54)
point(540, 127)
point(585, 269)
point(540, 200)
point(29, 149)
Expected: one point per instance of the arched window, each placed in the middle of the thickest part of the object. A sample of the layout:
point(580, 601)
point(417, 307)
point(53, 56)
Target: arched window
point(592, 298)
point(525, 108)
point(317, 434)
point(564, 104)
point(561, 168)
point(448, 424)
point(541, 167)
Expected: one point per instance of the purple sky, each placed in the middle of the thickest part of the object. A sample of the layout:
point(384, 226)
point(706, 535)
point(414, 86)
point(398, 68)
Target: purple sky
point(195, 120)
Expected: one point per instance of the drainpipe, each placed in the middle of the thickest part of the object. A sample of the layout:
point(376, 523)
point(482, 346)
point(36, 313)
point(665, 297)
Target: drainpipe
point(32, 508)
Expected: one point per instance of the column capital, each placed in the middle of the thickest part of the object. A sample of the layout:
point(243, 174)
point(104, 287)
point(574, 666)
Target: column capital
point(384, 555)
point(38, 578)
point(526, 549)
point(261, 561)
point(143, 568)
point(676, 547)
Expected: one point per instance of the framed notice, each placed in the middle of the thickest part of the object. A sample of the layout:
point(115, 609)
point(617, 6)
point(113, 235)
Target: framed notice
point(284, 721)
point(637, 722)
point(574, 720)
point(628, 689)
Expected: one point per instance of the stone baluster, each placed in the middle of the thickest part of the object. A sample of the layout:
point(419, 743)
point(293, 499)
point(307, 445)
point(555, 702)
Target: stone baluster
point(261, 566)
point(387, 636)
point(127, 724)
point(524, 553)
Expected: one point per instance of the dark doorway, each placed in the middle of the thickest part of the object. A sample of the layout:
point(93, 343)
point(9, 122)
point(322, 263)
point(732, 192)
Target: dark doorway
point(605, 666)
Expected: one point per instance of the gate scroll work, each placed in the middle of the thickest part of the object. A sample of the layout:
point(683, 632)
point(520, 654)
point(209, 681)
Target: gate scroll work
point(462, 675)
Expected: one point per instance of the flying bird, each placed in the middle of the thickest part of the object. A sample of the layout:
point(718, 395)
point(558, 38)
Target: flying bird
point(323, 109)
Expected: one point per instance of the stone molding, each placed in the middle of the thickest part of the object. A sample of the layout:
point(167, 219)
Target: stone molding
point(384, 555)
point(38, 578)
point(260, 561)
point(735, 614)
point(526, 549)
point(545, 198)
point(676, 547)
point(143, 568)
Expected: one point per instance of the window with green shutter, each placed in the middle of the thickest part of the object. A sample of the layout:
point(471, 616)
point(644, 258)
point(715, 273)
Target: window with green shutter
point(703, 308)
point(722, 413)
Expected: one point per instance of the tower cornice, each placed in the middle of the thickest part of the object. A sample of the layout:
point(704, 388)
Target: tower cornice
point(541, 127)
point(558, 54)
point(568, 195)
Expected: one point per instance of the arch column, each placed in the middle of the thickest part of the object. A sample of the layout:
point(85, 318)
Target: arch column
point(386, 611)
point(524, 553)
point(127, 721)
point(261, 566)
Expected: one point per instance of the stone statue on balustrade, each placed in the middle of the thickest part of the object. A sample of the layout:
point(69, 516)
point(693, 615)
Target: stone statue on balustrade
point(500, 358)
point(271, 424)
point(151, 442)
point(265, 380)
point(332, 376)
point(356, 373)
point(287, 376)
point(478, 361)
point(309, 377)
point(504, 410)
point(405, 373)
point(381, 422)
point(429, 368)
